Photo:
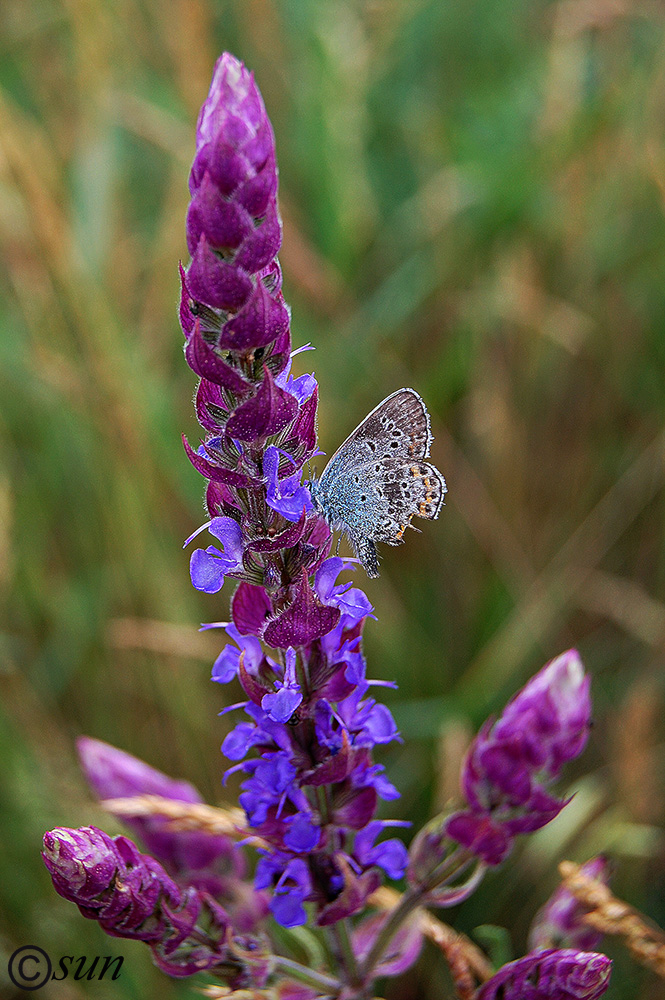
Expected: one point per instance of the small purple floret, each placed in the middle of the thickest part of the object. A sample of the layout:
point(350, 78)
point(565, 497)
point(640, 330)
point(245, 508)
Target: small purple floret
point(281, 704)
point(286, 496)
point(209, 567)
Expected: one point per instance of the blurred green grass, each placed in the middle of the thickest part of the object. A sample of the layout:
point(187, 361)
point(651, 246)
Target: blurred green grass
point(473, 205)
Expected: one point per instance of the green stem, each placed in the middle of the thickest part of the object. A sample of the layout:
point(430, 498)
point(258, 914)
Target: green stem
point(409, 901)
point(451, 866)
point(304, 975)
point(349, 960)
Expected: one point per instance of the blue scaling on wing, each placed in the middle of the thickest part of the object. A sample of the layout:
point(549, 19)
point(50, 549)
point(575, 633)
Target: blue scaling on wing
point(378, 480)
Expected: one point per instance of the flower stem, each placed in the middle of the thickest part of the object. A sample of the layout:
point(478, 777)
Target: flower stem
point(350, 962)
point(300, 972)
point(454, 865)
point(409, 901)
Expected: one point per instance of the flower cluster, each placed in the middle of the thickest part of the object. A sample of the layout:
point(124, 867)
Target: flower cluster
point(131, 896)
point(310, 785)
point(513, 760)
point(550, 975)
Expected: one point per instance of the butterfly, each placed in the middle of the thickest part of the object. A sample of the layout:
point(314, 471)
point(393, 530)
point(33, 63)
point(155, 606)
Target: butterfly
point(378, 480)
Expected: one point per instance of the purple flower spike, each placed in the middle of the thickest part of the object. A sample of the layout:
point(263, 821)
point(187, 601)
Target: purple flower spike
point(111, 882)
point(550, 975)
point(560, 923)
point(131, 896)
point(512, 760)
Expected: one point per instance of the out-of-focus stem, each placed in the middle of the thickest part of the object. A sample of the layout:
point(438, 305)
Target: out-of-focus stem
point(409, 901)
point(295, 970)
point(440, 933)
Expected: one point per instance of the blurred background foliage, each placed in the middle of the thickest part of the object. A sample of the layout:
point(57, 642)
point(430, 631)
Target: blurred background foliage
point(473, 205)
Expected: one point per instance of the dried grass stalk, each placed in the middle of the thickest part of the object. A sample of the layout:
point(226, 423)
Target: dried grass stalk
point(644, 940)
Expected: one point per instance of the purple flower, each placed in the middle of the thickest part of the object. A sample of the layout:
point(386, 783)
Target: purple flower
point(209, 567)
point(281, 705)
point(291, 883)
point(368, 720)
point(302, 835)
point(271, 789)
point(303, 386)
point(351, 601)
point(391, 855)
point(225, 667)
point(550, 975)
point(286, 496)
point(512, 760)
point(560, 923)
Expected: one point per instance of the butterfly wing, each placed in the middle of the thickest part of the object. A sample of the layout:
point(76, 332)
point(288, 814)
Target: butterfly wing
point(377, 480)
point(399, 428)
